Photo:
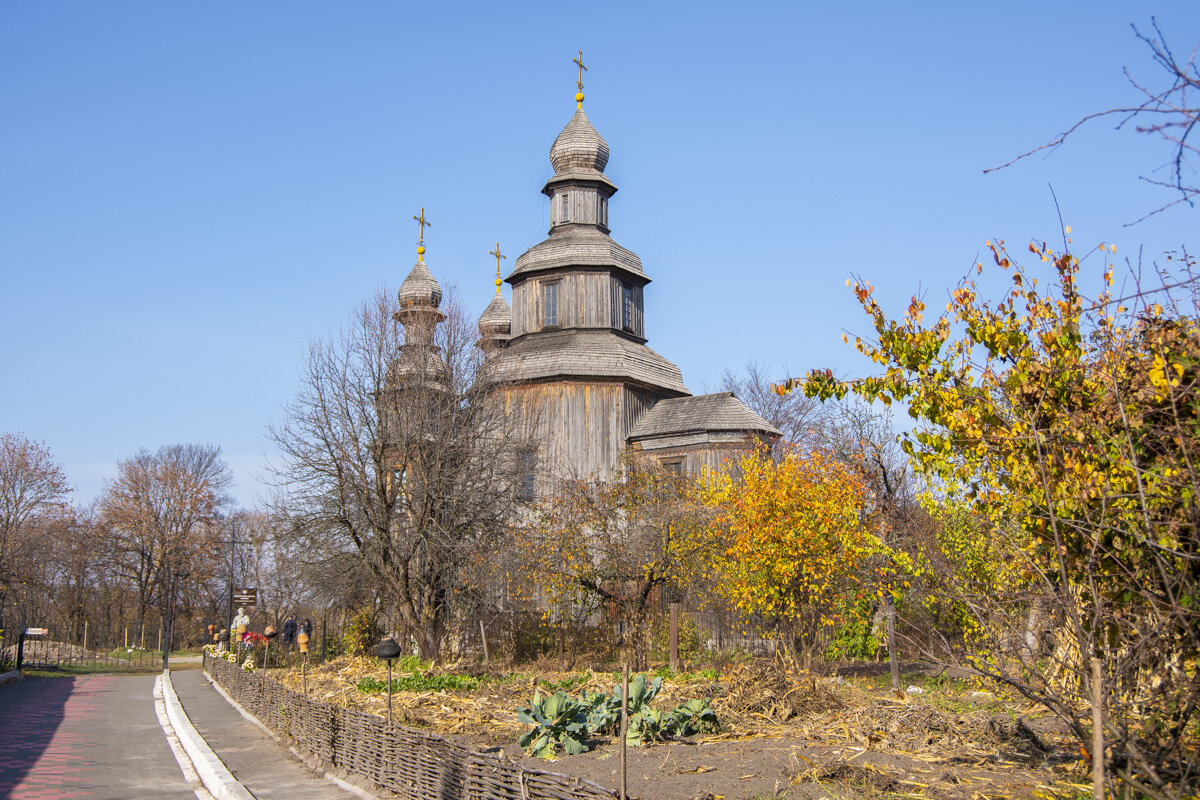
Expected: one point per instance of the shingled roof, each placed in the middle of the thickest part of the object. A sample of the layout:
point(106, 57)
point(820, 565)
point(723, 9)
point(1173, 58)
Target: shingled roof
point(583, 354)
point(707, 412)
point(578, 245)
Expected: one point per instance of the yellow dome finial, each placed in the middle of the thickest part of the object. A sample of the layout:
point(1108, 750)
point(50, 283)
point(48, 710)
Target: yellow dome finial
point(421, 236)
point(579, 82)
point(498, 256)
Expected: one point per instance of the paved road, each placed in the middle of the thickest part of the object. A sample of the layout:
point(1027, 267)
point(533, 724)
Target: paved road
point(86, 737)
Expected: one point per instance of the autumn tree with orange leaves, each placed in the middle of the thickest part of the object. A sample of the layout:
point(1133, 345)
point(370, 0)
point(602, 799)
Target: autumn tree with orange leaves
point(791, 540)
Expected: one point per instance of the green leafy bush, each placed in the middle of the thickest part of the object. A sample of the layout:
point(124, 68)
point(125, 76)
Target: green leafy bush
point(693, 716)
point(599, 713)
point(557, 720)
point(856, 637)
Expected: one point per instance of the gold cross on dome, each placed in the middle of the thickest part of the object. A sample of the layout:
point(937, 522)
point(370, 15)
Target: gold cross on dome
point(498, 256)
point(582, 69)
point(423, 222)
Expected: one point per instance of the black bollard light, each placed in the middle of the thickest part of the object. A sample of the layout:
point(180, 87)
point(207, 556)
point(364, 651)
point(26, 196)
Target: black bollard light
point(387, 649)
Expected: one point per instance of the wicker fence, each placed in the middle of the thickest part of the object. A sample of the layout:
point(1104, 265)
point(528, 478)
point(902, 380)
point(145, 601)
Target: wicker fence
point(411, 763)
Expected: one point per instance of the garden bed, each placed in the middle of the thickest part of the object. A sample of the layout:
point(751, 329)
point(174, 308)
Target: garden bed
point(783, 733)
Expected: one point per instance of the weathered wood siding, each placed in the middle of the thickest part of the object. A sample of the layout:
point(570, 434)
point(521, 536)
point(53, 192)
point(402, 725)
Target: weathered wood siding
point(582, 204)
point(717, 453)
point(585, 300)
point(580, 427)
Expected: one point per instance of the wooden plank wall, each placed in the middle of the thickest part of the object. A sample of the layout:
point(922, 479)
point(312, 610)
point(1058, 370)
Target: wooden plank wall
point(585, 300)
point(581, 427)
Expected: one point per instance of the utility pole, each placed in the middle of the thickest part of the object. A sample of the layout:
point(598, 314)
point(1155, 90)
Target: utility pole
point(233, 542)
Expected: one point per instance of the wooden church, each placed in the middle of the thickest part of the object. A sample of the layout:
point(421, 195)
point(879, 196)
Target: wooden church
point(569, 357)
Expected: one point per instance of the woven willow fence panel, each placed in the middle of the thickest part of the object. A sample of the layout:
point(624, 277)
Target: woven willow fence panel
point(409, 762)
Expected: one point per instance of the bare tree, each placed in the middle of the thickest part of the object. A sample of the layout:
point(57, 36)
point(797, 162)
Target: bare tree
point(1170, 111)
point(393, 451)
point(797, 417)
point(33, 490)
point(614, 544)
point(161, 512)
point(75, 558)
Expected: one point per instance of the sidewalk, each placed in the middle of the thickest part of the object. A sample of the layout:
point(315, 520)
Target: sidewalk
point(257, 761)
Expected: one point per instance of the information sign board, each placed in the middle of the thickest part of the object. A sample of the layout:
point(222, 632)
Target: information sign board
point(245, 597)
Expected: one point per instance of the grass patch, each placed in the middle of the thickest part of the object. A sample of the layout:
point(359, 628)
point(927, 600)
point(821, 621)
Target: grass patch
point(683, 676)
point(99, 668)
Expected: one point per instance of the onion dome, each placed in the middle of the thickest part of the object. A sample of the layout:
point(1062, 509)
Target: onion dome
point(579, 148)
point(420, 288)
point(496, 319)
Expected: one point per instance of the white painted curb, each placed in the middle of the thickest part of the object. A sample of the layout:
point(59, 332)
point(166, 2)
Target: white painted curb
point(212, 771)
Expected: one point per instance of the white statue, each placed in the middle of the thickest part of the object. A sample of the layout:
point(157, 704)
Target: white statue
point(241, 623)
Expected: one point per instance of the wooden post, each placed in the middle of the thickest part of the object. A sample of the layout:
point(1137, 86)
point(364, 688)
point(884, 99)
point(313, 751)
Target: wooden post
point(624, 726)
point(85, 633)
point(126, 637)
point(1097, 732)
point(483, 638)
point(675, 637)
point(304, 673)
point(389, 692)
point(889, 606)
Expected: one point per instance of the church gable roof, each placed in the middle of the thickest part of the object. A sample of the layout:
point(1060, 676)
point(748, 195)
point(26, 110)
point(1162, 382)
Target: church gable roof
point(707, 412)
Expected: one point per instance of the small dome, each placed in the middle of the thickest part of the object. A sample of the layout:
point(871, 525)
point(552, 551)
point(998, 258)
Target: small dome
point(496, 318)
point(579, 147)
point(420, 288)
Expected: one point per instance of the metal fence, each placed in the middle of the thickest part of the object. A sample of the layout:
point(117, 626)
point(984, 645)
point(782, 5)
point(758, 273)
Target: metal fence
point(406, 761)
point(48, 651)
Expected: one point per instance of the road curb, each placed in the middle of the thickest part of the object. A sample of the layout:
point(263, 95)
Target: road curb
point(215, 776)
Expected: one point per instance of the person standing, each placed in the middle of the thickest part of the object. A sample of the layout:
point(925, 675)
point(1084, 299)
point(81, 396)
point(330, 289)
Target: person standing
point(289, 632)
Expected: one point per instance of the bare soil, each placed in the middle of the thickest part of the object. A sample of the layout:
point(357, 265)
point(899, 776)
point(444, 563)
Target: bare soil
point(784, 733)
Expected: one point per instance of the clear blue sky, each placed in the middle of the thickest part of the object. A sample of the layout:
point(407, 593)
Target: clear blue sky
point(191, 191)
